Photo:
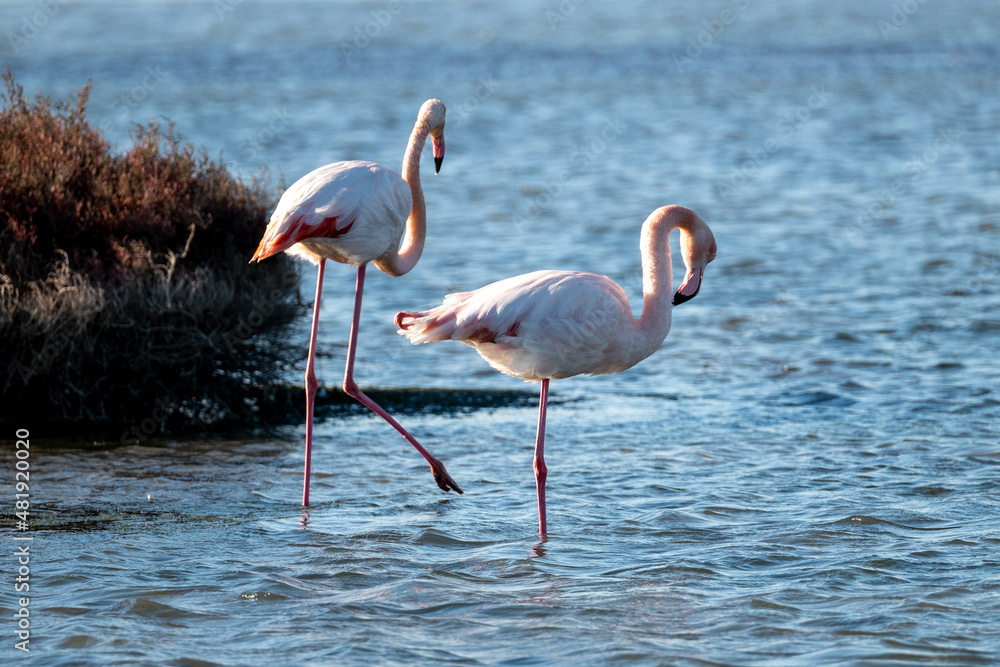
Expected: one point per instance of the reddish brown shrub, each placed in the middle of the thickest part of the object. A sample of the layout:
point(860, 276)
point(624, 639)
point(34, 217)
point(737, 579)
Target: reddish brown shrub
point(124, 282)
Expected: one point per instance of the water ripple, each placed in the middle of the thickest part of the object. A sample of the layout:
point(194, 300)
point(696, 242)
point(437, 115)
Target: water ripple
point(804, 474)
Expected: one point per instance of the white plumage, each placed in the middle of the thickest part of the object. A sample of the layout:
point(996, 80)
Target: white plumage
point(555, 324)
point(545, 324)
point(354, 213)
point(351, 212)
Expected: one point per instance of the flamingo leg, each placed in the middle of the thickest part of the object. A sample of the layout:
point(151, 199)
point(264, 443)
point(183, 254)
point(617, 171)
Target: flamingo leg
point(541, 472)
point(351, 388)
point(311, 383)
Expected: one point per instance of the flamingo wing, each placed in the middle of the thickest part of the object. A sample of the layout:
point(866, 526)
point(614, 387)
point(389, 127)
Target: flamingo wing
point(337, 201)
point(545, 324)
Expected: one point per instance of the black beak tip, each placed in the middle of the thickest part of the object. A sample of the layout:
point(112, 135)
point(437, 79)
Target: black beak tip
point(437, 164)
point(681, 298)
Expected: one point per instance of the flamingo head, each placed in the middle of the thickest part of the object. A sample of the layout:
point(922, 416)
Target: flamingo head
point(697, 249)
point(433, 112)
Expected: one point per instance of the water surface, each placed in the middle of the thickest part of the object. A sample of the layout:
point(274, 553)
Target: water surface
point(804, 474)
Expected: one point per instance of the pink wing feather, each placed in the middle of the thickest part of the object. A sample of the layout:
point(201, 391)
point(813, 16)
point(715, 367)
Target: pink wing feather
point(327, 202)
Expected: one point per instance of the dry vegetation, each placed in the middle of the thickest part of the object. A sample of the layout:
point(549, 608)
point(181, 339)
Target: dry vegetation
point(125, 292)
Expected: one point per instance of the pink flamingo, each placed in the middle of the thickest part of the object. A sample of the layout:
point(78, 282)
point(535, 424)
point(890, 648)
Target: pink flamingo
point(557, 324)
point(354, 213)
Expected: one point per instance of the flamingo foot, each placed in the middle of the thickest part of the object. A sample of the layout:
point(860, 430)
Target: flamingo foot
point(442, 477)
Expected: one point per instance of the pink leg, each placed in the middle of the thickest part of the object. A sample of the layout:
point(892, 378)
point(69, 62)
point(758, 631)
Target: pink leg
point(541, 472)
point(441, 475)
point(311, 384)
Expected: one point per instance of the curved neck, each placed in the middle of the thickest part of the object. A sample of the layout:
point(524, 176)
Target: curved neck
point(396, 263)
point(657, 268)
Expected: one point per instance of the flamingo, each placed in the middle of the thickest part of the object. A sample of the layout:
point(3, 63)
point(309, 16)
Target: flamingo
point(355, 212)
point(556, 324)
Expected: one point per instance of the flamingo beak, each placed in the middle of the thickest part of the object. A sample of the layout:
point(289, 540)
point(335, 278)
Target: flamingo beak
point(690, 287)
point(438, 144)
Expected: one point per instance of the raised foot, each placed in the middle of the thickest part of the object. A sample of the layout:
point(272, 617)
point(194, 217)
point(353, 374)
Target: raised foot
point(442, 477)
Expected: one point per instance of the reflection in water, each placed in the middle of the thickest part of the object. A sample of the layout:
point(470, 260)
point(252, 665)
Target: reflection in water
point(538, 550)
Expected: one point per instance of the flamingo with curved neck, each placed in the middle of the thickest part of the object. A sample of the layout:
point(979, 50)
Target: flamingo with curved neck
point(353, 213)
point(556, 324)
point(400, 261)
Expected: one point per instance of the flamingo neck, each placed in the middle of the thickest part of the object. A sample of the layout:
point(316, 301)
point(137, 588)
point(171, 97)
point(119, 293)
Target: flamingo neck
point(657, 269)
point(400, 262)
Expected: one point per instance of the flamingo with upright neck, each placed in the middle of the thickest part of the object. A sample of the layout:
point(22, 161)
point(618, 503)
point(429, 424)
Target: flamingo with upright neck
point(357, 212)
point(556, 324)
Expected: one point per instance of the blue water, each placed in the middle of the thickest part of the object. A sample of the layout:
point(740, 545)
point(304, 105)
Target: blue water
point(806, 472)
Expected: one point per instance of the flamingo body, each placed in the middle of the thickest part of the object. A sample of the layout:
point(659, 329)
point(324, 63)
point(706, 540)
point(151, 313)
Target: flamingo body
point(350, 212)
point(353, 213)
point(541, 325)
point(548, 325)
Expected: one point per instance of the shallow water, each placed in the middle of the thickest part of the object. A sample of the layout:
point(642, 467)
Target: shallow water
point(805, 473)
